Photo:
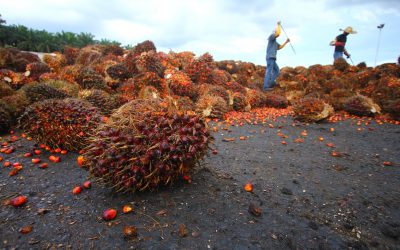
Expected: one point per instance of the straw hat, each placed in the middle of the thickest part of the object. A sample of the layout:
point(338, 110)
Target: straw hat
point(350, 30)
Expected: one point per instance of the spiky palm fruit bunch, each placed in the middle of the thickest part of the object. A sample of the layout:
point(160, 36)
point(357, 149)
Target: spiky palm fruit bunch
point(150, 79)
point(200, 69)
point(184, 104)
point(363, 77)
point(58, 123)
point(211, 106)
point(34, 70)
point(228, 65)
point(180, 84)
point(118, 72)
point(112, 49)
point(338, 97)
point(151, 151)
point(105, 102)
point(39, 91)
point(385, 90)
point(219, 77)
point(239, 102)
point(362, 65)
point(6, 119)
point(7, 58)
point(149, 92)
point(313, 87)
point(260, 71)
point(14, 79)
point(335, 83)
point(128, 89)
point(178, 60)
point(145, 46)
point(55, 61)
point(16, 103)
point(393, 108)
point(214, 90)
point(235, 87)
point(388, 69)
point(88, 56)
point(22, 59)
point(311, 110)
point(71, 89)
point(87, 78)
point(150, 62)
point(51, 76)
point(70, 54)
point(5, 90)
point(341, 64)
point(256, 98)
point(276, 101)
point(361, 106)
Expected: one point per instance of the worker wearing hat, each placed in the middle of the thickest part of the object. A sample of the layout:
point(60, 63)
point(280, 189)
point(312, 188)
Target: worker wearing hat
point(340, 42)
point(272, 71)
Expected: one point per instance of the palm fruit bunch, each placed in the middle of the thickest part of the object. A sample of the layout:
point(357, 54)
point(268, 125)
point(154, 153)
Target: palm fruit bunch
point(178, 60)
point(242, 79)
point(105, 102)
point(228, 65)
point(219, 77)
point(200, 69)
point(149, 92)
point(88, 55)
point(143, 147)
point(214, 90)
point(338, 97)
point(276, 101)
point(70, 73)
point(255, 98)
point(6, 118)
point(34, 70)
point(118, 72)
point(386, 90)
point(70, 54)
point(128, 89)
point(112, 49)
point(65, 123)
point(16, 103)
point(388, 69)
point(14, 79)
point(211, 106)
point(40, 91)
point(5, 89)
point(180, 84)
point(87, 78)
point(239, 102)
point(311, 110)
point(184, 104)
point(150, 79)
point(361, 106)
point(71, 89)
point(7, 58)
point(235, 87)
point(150, 62)
point(56, 61)
point(22, 59)
point(145, 46)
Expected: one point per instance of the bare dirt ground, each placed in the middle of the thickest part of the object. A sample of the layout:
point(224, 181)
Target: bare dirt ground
point(307, 198)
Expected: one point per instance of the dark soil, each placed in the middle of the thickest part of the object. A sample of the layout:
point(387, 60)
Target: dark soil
point(303, 197)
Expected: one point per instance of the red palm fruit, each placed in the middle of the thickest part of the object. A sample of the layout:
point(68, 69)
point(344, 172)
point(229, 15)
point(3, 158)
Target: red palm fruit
point(6, 164)
point(64, 152)
point(44, 165)
point(80, 160)
point(28, 155)
point(13, 172)
point(35, 160)
point(109, 214)
point(53, 158)
point(37, 152)
point(87, 184)
point(18, 201)
point(127, 209)
point(77, 190)
point(248, 187)
point(1, 158)
point(57, 150)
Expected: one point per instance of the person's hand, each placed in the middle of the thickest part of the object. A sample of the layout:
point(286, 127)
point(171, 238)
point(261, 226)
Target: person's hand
point(348, 55)
point(279, 22)
point(287, 40)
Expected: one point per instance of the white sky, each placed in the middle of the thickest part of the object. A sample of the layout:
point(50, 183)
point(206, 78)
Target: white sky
point(227, 29)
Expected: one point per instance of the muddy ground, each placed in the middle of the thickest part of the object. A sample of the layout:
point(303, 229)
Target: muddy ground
point(308, 198)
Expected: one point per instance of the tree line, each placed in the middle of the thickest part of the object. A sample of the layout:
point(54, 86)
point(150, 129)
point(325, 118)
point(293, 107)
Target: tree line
point(27, 39)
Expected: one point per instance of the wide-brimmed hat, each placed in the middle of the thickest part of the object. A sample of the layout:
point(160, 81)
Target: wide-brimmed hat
point(350, 30)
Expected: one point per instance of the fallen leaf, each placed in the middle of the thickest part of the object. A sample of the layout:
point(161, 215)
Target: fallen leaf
point(243, 138)
point(299, 140)
point(230, 139)
point(183, 232)
point(130, 232)
point(162, 212)
point(26, 229)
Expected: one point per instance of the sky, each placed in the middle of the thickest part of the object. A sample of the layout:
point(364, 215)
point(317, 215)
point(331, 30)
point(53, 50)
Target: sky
point(227, 29)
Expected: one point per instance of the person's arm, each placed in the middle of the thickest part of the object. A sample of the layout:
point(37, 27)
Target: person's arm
point(278, 29)
point(283, 45)
point(346, 53)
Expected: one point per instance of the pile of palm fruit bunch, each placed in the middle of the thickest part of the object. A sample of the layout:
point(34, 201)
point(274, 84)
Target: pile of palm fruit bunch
point(146, 144)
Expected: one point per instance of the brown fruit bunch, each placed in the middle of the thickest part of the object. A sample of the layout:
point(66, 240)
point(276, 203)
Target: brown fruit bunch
point(311, 110)
point(70, 54)
point(39, 91)
point(150, 79)
point(361, 106)
point(143, 147)
point(112, 49)
point(6, 119)
point(200, 69)
point(88, 55)
point(16, 103)
point(213, 90)
point(56, 61)
point(118, 72)
point(87, 78)
point(341, 64)
point(105, 102)
point(34, 70)
point(211, 106)
point(145, 46)
point(180, 84)
point(150, 62)
point(239, 102)
point(338, 97)
point(276, 101)
point(63, 123)
point(393, 109)
point(5, 90)
point(256, 98)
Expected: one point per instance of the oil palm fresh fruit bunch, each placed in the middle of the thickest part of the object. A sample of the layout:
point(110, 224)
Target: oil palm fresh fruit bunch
point(118, 72)
point(361, 106)
point(338, 97)
point(211, 106)
point(5, 89)
point(180, 84)
point(144, 46)
point(59, 123)
point(150, 62)
point(112, 49)
point(16, 103)
point(393, 108)
point(239, 102)
point(150, 79)
point(40, 91)
point(88, 56)
point(276, 101)
point(143, 147)
point(6, 119)
point(88, 78)
point(56, 61)
point(341, 64)
point(105, 102)
point(214, 90)
point(311, 110)
point(200, 69)
point(34, 70)
point(255, 98)
point(70, 54)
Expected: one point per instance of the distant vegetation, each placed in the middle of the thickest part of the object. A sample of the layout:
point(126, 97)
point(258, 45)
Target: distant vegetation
point(24, 38)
